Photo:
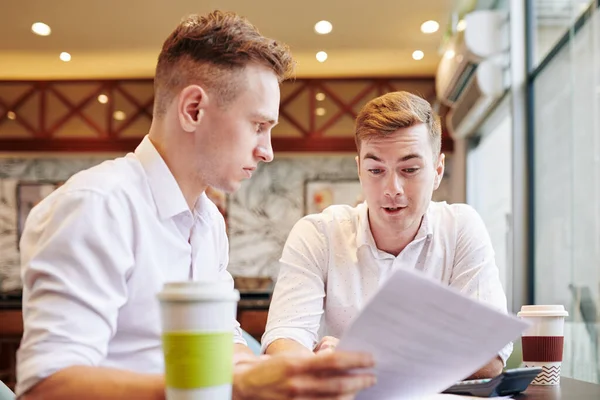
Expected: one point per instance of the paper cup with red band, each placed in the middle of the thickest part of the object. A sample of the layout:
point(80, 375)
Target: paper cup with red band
point(543, 341)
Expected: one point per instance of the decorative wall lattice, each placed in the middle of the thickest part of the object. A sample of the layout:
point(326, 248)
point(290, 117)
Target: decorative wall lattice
point(316, 115)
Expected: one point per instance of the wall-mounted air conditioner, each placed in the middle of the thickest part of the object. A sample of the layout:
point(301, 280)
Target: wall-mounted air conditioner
point(470, 77)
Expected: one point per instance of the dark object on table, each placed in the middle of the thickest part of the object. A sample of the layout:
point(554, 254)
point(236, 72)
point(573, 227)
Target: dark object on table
point(11, 300)
point(510, 382)
point(255, 292)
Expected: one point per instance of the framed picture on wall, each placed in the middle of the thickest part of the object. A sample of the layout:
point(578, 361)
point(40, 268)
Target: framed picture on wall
point(29, 194)
point(320, 194)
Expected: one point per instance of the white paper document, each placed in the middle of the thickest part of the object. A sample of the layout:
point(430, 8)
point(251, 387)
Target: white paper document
point(425, 336)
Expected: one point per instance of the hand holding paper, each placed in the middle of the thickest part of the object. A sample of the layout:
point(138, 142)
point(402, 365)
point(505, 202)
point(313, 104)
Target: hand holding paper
point(425, 336)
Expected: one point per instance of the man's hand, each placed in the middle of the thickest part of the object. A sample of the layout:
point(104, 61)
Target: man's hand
point(328, 343)
point(490, 370)
point(327, 375)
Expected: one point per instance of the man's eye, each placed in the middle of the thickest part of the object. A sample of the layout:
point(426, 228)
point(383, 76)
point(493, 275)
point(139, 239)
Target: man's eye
point(375, 171)
point(411, 170)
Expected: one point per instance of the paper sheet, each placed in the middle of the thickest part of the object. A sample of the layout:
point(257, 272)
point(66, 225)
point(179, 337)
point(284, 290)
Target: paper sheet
point(425, 336)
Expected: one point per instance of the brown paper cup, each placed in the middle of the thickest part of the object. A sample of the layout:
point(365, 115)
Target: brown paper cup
point(543, 342)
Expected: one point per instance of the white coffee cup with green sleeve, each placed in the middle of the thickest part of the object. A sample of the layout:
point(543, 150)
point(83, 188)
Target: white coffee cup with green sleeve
point(198, 320)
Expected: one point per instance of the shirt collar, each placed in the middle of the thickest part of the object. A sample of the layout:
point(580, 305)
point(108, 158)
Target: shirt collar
point(167, 194)
point(364, 236)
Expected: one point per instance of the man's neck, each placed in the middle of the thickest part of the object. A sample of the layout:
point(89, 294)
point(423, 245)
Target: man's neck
point(190, 186)
point(391, 241)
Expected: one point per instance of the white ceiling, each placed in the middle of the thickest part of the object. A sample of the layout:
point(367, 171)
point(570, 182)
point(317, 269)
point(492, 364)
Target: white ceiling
point(122, 38)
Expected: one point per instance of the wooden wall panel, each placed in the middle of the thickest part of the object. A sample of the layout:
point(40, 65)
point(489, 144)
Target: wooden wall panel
point(316, 115)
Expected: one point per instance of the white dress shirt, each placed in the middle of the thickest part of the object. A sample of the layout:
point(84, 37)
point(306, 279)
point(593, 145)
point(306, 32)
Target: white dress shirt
point(94, 255)
point(331, 267)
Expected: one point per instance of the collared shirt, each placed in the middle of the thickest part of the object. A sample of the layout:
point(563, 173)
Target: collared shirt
point(96, 252)
point(330, 268)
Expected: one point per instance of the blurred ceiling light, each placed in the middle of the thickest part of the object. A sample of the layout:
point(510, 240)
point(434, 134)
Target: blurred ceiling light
point(320, 96)
point(461, 26)
point(323, 27)
point(320, 111)
point(64, 56)
point(321, 56)
point(40, 28)
point(102, 99)
point(449, 54)
point(430, 26)
point(11, 115)
point(418, 55)
point(119, 115)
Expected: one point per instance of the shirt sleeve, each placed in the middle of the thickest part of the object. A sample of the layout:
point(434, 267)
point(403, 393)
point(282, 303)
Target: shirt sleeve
point(298, 299)
point(226, 276)
point(75, 258)
point(475, 273)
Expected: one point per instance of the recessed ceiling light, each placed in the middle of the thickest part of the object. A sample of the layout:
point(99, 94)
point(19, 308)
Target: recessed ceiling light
point(119, 115)
point(418, 55)
point(320, 111)
point(11, 115)
point(40, 28)
point(321, 56)
point(430, 26)
point(323, 27)
point(64, 56)
point(320, 96)
point(461, 26)
point(449, 54)
point(102, 99)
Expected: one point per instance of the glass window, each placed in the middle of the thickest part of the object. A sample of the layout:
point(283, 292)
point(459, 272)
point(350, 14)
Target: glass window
point(551, 20)
point(489, 185)
point(567, 194)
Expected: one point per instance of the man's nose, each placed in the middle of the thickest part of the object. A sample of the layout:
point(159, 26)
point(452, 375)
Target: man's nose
point(394, 186)
point(264, 150)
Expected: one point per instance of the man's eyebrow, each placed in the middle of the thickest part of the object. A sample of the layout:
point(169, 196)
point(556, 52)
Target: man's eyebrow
point(401, 159)
point(372, 157)
point(410, 157)
point(265, 118)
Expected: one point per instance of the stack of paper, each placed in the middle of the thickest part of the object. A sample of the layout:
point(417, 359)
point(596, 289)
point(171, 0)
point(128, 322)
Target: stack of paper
point(425, 337)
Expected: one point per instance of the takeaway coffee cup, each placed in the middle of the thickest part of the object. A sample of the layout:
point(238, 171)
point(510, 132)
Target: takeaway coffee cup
point(543, 341)
point(197, 336)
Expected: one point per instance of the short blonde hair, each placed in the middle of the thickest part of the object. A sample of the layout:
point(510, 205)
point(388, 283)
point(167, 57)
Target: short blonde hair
point(392, 111)
point(212, 48)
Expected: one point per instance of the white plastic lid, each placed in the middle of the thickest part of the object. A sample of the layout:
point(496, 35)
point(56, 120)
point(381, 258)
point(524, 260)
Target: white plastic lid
point(543, 311)
point(199, 291)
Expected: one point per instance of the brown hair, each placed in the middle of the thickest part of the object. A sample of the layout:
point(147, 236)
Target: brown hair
point(210, 48)
point(392, 111)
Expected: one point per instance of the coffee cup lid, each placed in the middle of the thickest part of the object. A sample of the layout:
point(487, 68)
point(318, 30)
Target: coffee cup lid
point(543, 311)
point(199, 291)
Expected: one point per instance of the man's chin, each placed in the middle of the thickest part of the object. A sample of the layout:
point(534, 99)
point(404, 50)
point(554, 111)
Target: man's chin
point(232, 188)
point(228, 187)
point(394, 219)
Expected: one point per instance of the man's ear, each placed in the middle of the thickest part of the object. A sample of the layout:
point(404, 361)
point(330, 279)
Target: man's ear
point(192, 102)
point(357, 166)
point(439, 170)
